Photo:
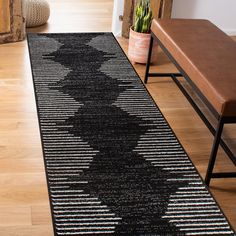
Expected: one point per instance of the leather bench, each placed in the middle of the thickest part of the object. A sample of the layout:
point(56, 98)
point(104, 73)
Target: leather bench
point(206, 57)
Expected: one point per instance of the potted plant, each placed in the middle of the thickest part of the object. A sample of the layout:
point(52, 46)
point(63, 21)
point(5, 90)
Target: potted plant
point(139, 36)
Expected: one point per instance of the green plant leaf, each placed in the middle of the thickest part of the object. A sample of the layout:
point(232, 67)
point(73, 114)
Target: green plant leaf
point(143, 17)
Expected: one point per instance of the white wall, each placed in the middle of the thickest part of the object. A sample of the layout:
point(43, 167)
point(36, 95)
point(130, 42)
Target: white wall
point(117, 11)
point(221, 12)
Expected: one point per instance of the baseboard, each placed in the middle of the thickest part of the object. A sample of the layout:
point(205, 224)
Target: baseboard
point(117, 33)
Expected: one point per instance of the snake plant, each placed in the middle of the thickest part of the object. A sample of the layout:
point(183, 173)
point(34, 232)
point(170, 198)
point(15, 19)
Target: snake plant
point(143, 16)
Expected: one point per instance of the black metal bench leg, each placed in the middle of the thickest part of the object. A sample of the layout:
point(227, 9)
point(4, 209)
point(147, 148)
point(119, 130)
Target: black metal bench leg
point(148, 60)
point(214, 151)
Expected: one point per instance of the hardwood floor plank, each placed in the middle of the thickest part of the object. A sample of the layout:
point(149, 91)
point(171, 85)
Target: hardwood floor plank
point(22, 179)
point(35, 230)
point(40, 214)
point(12, 216)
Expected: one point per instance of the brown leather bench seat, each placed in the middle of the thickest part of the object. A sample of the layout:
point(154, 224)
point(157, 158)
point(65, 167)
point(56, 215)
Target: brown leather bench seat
point(206, 54)
point(206, 57)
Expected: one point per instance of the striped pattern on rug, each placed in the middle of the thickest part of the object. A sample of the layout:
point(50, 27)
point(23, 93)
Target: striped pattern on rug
point(113, 164)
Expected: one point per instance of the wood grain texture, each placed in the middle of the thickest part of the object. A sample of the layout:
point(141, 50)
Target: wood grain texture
point(4, 16)
point(166, 8)
point(22, 177)
point(156, 7)
point(160, 9)
point(16, 21)
point(128, 14)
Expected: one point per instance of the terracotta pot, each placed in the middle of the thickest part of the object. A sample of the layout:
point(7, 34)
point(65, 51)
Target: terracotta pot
point(138, 47)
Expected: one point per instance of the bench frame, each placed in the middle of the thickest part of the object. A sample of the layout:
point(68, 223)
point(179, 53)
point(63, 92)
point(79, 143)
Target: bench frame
point(221, 119)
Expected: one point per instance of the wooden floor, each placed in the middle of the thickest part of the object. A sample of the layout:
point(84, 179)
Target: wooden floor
point(24, 206)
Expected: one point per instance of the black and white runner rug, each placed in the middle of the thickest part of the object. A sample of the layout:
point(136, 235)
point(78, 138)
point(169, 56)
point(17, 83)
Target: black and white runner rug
point(113, 164)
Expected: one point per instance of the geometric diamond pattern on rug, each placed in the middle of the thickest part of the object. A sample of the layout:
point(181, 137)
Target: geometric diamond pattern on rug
point(113, 164)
